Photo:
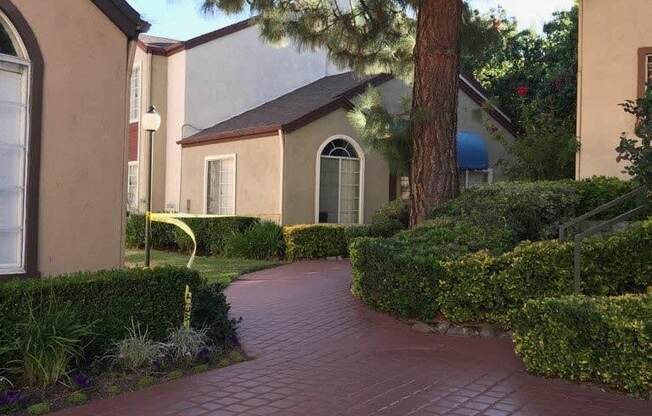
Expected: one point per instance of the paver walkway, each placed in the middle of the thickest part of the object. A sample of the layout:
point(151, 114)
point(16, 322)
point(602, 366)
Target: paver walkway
point(320, 352)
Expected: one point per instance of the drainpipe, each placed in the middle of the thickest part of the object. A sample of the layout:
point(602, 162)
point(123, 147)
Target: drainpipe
point(281, 141)
point(578, 156)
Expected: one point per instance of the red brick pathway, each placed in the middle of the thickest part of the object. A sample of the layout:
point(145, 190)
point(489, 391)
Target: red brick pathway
point(320, 353)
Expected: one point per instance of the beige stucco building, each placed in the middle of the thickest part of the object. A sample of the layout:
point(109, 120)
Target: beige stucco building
point(615, 60)
point(63, 110)
point(251, 129)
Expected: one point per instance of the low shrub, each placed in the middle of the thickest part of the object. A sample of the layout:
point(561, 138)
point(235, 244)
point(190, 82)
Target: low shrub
point(183, 344)
point(479, 286)
point(599, 190)
point(314, 241)
point(261, 241)
point(210, 310)
point(110, 299)
point(38, 409)
point(402, 275)
point(137, 350)
point(530, 210)
point(163, 235)
point(209, 232)
point(604, 339)
point(390, 219)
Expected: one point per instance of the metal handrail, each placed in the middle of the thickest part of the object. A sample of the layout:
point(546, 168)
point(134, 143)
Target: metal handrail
point(577, 249)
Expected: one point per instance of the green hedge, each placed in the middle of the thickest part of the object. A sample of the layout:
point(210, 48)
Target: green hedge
point(314, 241)
point(110, 300)
point(479, 286)
point(390, 219)
point(401, 275)
point(209, 232)
point(448, 267)
point(604, 339)
point(534, 210)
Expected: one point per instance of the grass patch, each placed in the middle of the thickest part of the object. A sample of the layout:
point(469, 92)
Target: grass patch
point(215, 269)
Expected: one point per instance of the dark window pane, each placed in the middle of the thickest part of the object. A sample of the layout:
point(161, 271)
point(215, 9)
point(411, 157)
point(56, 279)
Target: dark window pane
point(6, 46)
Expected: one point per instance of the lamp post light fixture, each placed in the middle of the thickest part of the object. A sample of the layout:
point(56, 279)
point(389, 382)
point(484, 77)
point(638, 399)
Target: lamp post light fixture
point(151, 122)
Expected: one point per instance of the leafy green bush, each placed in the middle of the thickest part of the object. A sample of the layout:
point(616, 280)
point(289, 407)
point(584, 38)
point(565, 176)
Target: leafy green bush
point(390, 219)
point(38, 409)
point(110, 299)
point(163, 235)
point(599, 190)
point(530, 210)
point(261, 241)
point(401, 275)
point(604, 339)
point(314, 241)
point(209, 232)
point(478, 286)
point(46, 342)
point(210, 310)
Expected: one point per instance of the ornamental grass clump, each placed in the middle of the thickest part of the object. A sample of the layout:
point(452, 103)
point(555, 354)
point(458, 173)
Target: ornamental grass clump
point(46, 343)
point(185, 344)
point(137, 350)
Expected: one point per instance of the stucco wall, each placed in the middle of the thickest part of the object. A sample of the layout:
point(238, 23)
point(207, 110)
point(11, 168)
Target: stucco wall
point(84, 136)
point(258, 184)
point(301, 147)
point(611, 33)
point(176, 100)
point(240, 71)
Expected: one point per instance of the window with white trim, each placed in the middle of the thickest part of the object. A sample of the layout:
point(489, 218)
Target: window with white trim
point(14, 114)
point(339, 183)
point(134, 95)
point(220, 185)
point(132, 186)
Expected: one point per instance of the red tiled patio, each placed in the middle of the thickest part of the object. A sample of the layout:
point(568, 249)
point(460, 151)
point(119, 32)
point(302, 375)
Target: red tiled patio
point(320, 352)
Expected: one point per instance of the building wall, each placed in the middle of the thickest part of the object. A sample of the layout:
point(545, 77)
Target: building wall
point(257, 174)
point(240, 71)
point(176, 105)
point(84, 136)
point(611, 32)
point(301, 148)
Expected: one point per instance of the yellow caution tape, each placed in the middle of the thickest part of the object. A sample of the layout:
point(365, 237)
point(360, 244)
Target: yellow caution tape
point(175, 219)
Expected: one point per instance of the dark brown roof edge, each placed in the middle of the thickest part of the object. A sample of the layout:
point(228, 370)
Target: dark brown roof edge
point(479, 95)
point(199, 40)
point(123, 16)
point(247, 133)
point(341, 101)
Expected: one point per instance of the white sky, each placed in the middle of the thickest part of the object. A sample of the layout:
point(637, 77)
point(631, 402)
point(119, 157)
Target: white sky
point(528, 13)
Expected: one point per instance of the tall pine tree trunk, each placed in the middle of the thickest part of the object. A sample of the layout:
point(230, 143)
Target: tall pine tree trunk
point(434, 175)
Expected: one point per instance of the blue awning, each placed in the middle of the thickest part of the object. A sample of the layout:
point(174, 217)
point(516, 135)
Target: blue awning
point(472, 151)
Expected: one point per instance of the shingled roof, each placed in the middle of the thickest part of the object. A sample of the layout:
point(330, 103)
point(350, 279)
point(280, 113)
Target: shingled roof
point(290, 111)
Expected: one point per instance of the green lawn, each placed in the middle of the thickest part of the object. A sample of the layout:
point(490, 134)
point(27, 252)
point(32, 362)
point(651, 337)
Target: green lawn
point(215, 269)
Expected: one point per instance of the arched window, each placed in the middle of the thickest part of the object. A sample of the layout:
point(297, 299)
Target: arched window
point(340, 166)
point(14, 93)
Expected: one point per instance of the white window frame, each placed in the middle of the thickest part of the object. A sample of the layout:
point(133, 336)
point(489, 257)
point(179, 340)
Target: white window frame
point(361, 158)
point(134, 110)
point(489, 172)
point(208, 159)
point(22, 61)
point(136, 203)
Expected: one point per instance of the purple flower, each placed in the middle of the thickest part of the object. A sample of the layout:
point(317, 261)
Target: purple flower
point(157, 365)
point(10, 398)
point(81, 380)
point(204, 354)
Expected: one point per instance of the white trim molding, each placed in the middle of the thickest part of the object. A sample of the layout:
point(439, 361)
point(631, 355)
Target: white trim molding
point(361, 158)
point(208, 159)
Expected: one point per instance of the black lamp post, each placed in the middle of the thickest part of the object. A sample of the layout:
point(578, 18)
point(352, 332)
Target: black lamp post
point(151, 123)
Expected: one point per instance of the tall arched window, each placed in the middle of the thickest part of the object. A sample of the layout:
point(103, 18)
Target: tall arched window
point(340, 166)
point(14, 93)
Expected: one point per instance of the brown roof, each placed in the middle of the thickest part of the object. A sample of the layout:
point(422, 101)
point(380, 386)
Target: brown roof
point(290, 111)
point(170, 46)
point(123, 16)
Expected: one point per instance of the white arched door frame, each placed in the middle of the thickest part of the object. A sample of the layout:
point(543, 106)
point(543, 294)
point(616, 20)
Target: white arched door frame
point(361, 158)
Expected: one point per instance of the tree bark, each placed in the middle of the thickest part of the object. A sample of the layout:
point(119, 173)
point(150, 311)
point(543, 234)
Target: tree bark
point(434, 177)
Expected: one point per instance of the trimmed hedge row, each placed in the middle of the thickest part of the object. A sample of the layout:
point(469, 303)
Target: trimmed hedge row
point(604, 339)
point(417, 280)
point(209, 232)
point(111, 299)
point(314, 241)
